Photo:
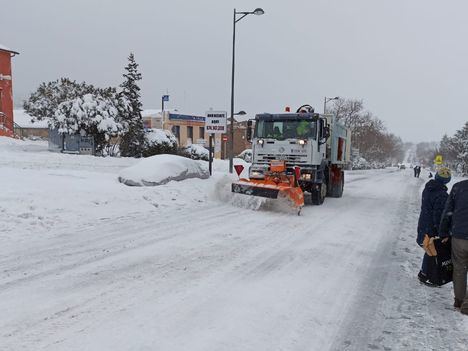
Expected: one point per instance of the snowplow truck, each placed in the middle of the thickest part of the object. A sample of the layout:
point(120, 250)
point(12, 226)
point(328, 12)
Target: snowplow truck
point(296, 153)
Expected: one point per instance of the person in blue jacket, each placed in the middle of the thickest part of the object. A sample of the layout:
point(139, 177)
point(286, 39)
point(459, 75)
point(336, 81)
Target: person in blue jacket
point(433, 201)
point(454, 224)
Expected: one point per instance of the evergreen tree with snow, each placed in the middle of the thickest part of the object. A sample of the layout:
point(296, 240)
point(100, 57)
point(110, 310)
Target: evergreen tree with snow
point(133, 141)
point(460, 144)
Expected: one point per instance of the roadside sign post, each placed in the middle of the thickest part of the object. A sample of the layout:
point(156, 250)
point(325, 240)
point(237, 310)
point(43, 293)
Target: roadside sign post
point(215, 123)
point(164, 98)
point(210, 158)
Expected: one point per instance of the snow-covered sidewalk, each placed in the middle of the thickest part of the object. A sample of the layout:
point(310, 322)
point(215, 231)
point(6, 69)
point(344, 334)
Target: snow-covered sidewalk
point(87, 263)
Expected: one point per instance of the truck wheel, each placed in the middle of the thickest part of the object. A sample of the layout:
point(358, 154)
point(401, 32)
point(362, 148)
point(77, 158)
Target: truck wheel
point(318, 195)
point(337, 189)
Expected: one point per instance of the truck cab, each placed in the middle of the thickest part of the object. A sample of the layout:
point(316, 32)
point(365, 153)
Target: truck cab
point(315, 143)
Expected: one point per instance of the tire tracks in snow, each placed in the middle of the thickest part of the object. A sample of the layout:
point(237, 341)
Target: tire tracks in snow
point(393, 311)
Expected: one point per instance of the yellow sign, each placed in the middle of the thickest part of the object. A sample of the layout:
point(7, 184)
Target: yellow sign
point(438, 160)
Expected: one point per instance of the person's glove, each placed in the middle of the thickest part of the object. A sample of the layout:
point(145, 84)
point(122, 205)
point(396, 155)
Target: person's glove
point(428, 245)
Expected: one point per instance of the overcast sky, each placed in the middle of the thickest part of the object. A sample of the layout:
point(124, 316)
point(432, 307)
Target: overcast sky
point(407, 59)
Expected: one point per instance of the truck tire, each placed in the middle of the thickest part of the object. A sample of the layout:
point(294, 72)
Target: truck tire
point(318, 195)
point(337, 187)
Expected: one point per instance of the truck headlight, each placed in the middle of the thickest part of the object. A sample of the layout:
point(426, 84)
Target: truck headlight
point(302, 142)
point(260, 141)
point(306, 176)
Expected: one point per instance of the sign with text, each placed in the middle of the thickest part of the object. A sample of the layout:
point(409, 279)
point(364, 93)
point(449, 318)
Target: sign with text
point(216, 122)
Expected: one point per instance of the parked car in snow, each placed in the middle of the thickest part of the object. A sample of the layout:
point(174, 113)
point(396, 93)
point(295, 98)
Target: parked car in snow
point(246, 155)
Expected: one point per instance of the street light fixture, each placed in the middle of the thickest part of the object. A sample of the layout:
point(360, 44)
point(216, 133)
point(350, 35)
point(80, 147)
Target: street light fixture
point(238, 15)
point(327, 99)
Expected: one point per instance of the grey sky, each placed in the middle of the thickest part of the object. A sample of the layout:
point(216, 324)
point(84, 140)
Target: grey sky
point(406, 58)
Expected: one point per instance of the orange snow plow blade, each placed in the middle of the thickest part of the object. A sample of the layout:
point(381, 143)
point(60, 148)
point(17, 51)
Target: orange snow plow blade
point(276, 182)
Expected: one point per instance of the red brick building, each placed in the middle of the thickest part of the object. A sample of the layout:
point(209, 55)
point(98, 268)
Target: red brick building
point(6, 91)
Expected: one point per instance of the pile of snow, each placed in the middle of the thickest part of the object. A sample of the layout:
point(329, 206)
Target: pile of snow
point(161, 169)
point(197, 152)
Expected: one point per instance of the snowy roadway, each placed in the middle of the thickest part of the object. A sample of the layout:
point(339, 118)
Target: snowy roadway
point(182, 268)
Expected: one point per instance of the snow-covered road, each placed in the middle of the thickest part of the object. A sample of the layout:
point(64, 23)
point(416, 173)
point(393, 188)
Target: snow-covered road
point(202, 274)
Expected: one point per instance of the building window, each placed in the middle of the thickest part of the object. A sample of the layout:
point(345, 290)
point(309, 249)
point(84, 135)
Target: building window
point(201, 132)
point(176, 132)
point(190, 133)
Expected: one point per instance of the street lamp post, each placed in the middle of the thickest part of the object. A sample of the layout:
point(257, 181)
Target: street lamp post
point(258, 12)
point(240, 113)
point(327, 99)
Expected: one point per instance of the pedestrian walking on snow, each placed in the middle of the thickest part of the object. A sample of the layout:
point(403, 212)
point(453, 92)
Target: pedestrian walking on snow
point(433, 201)
point(454, 222)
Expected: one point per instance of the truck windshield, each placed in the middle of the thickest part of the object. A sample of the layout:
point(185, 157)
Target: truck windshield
point(286, 129)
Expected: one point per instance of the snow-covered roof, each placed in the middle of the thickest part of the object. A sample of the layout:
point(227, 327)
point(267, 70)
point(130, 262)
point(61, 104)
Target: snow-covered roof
point(24, 120)
point(152, 112)
point(4, 48)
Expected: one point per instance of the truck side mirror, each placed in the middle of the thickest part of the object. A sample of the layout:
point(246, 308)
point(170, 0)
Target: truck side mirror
point(325, 135)
point(249, 131)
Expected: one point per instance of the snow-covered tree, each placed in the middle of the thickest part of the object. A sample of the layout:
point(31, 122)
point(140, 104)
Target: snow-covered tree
point(43, 103)
point(460, 146)
point(133, 141)
point(94, 115)
point(368, 132)
point(455, 150)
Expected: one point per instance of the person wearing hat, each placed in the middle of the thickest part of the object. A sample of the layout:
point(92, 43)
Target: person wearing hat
point(454, 223)
point(433, 201)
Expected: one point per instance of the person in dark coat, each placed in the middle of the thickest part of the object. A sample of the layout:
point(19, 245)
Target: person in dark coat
point(433, 201)
point(454, 222)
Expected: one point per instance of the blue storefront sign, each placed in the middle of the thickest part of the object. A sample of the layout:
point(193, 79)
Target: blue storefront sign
point(189, 118)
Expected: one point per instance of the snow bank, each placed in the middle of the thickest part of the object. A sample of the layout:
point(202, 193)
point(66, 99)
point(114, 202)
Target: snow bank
point(161, 169)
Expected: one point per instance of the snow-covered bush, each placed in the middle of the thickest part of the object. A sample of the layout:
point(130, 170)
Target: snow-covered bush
point(360, 163)
point(158, 141)
point(197, 152)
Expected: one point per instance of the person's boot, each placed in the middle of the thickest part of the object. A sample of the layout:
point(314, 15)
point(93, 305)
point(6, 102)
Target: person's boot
point(457, 303)
point(464, 307)
point(425, 280)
